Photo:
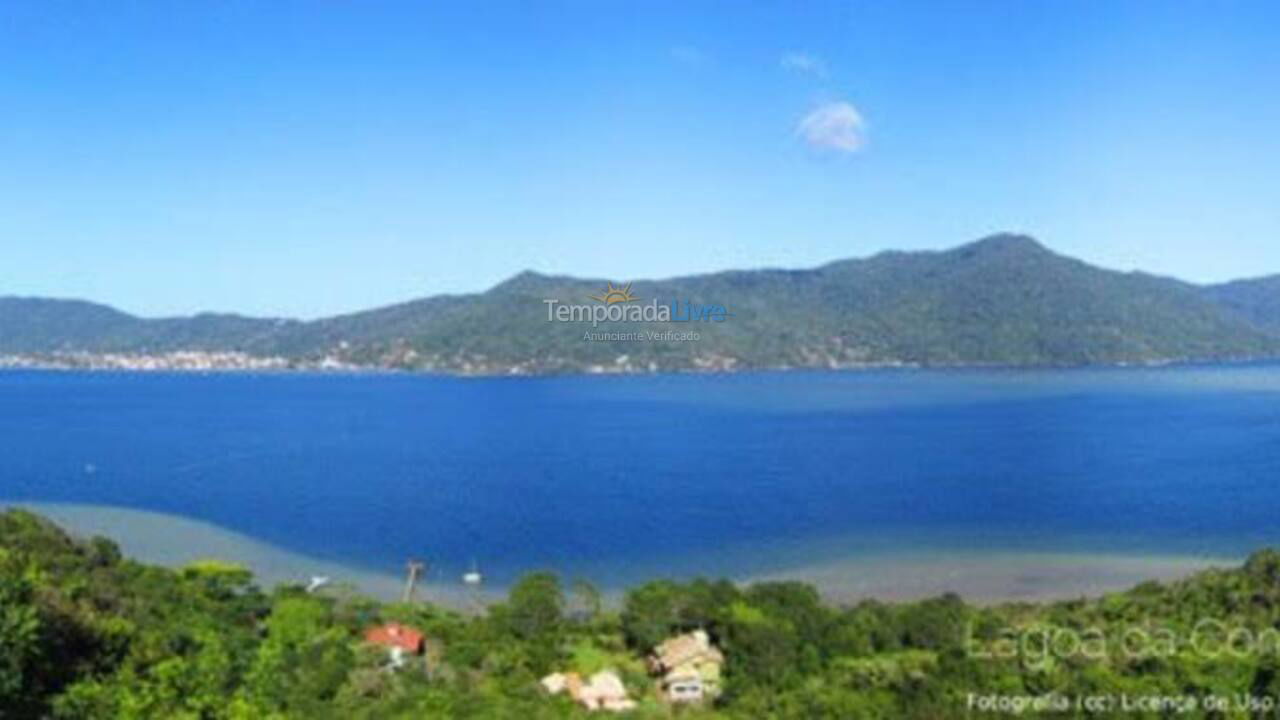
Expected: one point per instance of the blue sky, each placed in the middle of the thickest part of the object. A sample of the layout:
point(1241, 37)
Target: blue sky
point(312, 158)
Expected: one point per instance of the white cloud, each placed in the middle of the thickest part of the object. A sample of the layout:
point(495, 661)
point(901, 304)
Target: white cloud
point(803, 62)
point(835, 126)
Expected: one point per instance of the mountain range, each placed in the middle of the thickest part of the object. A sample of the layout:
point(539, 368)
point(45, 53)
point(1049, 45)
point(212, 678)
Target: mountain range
point(1004, 300)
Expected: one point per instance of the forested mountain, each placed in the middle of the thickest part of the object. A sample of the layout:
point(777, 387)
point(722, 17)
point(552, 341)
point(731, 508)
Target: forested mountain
point(39, 325)
point(1003, 300)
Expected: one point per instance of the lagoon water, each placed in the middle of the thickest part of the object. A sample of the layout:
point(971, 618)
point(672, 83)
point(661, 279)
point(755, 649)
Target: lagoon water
point(995, 483)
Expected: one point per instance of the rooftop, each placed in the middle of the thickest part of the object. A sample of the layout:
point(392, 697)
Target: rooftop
point(395, 635)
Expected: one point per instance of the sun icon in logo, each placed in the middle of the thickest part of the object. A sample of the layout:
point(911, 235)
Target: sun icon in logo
point(613, 295)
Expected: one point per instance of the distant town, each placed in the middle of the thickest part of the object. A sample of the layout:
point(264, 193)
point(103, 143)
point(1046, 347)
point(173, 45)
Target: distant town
point(185, 360)
point(231, 361)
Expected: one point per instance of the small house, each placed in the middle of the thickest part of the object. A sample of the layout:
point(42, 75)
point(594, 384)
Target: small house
point(602, 691)
point(400, 641)
point(689, 667)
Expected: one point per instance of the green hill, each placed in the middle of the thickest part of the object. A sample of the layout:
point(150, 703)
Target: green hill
point(39, 325)
point(1258, 300)
point(1003, 300)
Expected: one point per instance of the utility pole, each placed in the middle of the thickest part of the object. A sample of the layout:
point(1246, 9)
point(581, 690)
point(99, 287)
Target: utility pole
point(415, 571)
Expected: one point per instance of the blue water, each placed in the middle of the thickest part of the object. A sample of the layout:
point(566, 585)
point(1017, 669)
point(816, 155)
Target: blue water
point(619, 478)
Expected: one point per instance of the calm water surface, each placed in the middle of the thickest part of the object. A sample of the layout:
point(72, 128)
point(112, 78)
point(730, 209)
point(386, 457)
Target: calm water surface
point(623, 478)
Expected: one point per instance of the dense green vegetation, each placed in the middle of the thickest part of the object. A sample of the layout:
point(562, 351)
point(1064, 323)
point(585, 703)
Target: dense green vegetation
point(1004, 300)
point(85, 633)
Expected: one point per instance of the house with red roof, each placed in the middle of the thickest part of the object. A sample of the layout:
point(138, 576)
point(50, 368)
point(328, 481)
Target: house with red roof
point(400, 641)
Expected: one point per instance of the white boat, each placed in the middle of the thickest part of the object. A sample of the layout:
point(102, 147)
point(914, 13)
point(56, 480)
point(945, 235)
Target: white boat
point(473, 577)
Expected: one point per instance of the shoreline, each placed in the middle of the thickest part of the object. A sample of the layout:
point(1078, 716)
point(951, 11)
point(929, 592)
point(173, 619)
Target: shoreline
point(320, 368)
point(174, 541)
point(992, 578)
point(981, 577)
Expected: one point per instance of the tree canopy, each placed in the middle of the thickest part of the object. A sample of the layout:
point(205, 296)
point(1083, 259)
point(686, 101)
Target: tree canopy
point(87, 633)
